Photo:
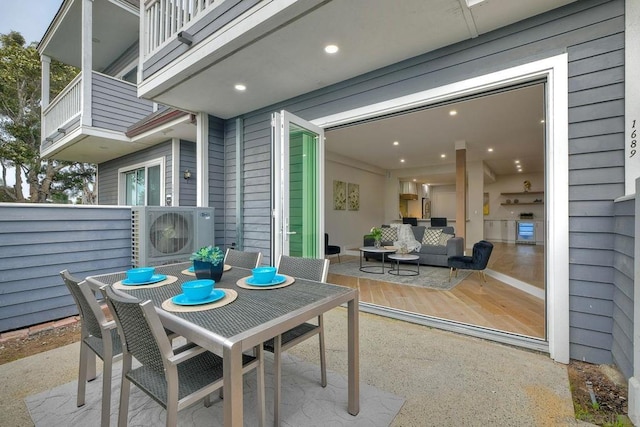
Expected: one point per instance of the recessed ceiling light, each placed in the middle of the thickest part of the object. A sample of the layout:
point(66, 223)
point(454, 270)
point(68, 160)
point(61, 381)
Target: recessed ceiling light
point(453, 112)
point(490, 150)
point(443, 155)
point(517, 161)
point(396, 143)
point(401, 160)
point(331, 48)
point(542, 121)
point(240, 87)
point(414, 180)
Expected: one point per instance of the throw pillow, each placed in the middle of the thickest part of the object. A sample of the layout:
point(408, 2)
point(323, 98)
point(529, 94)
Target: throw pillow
point(431, 236)
point(443, 239)
point(389, 234)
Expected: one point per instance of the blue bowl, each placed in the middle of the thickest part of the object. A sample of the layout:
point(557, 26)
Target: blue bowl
point(196, 290)
point(141, 274)
point(262, 275)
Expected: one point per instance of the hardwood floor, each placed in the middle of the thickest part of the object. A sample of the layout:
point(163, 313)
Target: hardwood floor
point(494, 304)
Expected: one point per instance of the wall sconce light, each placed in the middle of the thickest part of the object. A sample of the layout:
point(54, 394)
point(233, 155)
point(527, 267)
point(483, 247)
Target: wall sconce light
point(185, 38)
point(187, 174)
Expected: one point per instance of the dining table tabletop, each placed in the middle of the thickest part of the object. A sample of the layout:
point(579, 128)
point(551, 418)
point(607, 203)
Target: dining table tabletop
point(256, 315)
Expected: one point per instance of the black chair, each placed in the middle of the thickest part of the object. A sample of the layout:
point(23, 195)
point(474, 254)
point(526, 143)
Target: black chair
point(99, 337)
point(477, 261)
point(438, 222)
point(330, 249)
point(410, 220)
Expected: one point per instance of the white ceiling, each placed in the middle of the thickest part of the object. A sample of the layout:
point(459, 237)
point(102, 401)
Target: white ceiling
point(287, 60)
point(509, 122)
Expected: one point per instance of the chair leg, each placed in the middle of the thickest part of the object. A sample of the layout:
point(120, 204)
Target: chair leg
point(260, 384)
point(277, 373)
point(82, 373)
point(339, 259)
point(107, 368)
point(323, 356)
point(125, 389)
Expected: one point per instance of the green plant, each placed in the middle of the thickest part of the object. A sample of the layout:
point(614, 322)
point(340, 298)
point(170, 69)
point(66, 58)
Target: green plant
point(375, 233)
point(211, 254)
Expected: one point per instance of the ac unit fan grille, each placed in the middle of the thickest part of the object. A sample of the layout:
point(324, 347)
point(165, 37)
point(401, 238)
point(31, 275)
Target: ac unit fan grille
point(170, 233)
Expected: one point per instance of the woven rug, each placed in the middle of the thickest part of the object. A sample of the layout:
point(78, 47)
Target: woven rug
point(429, 277)
point(304, 402)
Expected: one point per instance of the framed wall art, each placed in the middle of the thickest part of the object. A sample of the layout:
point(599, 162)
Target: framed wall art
point(353, 197)
point(339, 195)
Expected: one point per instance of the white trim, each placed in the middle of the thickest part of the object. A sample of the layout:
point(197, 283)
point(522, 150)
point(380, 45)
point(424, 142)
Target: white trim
point(159, 161)
point(176, 173)
point(555, 70)
point(86, 90)
point(202, 160)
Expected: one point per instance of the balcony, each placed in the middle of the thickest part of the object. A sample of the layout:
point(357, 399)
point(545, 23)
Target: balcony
point(94, 132)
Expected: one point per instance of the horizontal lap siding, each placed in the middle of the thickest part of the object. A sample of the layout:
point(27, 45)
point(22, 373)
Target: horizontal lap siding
point(187, 161)
point(48, 239)
point(216, 175)
point(592, 34)
point(108, 171)
point(623, 294)
point(115, 104)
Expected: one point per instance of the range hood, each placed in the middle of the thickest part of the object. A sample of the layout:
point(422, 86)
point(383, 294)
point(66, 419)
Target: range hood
point(408, 191)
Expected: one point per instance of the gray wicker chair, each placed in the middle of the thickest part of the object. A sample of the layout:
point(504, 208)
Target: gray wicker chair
point(175, 378)
point(303, 268)
point(99, 337)
point(242, 259)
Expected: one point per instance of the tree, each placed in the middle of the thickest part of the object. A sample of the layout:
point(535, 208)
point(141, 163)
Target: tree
point(20, 100)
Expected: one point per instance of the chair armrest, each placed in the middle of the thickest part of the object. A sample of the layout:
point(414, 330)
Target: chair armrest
point(192, 351)
point(455, 246)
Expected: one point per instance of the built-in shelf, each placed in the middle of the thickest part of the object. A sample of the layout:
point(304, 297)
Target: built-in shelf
point(520, 204)
point(522, 193)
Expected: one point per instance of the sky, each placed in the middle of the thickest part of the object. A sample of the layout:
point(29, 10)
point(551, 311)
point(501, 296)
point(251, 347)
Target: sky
point(31, 18)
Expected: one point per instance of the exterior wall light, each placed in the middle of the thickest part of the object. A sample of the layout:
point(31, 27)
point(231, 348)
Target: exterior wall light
point(186, 175)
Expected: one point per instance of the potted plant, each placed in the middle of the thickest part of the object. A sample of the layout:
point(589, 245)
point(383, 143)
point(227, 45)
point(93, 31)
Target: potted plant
point(208, 263)
point(376, 234)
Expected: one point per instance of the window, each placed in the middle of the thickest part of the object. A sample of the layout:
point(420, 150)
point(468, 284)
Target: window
point(142, 185)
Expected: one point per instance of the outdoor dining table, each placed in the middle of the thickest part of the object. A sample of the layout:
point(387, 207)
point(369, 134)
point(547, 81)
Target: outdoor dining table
point(256, 316)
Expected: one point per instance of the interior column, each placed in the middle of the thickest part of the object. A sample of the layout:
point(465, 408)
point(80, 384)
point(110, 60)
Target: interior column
point(461, 190)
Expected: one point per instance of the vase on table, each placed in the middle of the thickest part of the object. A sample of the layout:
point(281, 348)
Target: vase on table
point(376, 243)
point(207, 270)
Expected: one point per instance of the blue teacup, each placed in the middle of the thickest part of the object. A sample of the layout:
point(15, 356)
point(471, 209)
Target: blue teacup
point(262, 275)
point(140, 274)
point(199, 289)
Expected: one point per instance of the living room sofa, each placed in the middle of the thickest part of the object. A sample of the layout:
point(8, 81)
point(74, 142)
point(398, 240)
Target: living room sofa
point(429, 254)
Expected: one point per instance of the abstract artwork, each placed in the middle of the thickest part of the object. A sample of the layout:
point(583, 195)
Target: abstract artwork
point(353, 192)
point(339, 195)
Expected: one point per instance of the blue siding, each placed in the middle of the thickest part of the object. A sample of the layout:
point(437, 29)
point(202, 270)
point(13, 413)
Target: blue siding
point(48, 239)
point(108, 171)
point(115, 104)
point(623, 294)
point(187, 161)
point(216, 176)
point(591, 32)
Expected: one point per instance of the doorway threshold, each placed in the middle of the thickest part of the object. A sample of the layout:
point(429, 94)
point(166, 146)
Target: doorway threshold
point(458, 327)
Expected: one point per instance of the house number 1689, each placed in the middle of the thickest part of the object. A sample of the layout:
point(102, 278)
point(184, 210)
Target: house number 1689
point(634, 141)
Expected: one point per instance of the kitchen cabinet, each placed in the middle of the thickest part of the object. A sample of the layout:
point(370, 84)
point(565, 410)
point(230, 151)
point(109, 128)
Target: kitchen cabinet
point(508, 231)
point(493, 230)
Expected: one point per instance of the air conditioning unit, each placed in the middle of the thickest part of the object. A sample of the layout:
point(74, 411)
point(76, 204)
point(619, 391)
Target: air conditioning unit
point(162, 235)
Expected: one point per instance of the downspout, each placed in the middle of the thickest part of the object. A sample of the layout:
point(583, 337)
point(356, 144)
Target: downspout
point(239, 183)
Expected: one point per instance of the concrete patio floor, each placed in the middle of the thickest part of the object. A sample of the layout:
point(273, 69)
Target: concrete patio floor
point(446, 379)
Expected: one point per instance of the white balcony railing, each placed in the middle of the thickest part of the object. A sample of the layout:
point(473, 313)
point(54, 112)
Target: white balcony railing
point(163, 19)
point(64, 107)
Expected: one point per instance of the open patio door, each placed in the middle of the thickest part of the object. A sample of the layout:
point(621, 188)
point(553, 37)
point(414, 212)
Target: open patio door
point(298, 187)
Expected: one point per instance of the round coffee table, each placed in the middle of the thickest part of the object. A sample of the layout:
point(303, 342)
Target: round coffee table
point(373, 250)
point(405, 271)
